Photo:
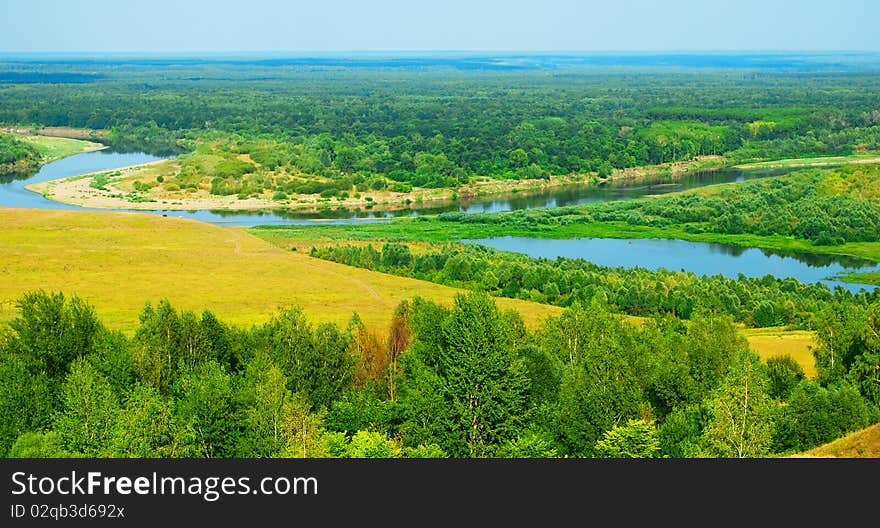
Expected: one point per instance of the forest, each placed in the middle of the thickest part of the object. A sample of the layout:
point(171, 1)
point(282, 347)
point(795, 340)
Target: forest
point(462, 381)
point(291, 129)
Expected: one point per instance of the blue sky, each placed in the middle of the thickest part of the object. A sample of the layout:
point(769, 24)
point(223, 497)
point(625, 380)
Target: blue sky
point(492, 25)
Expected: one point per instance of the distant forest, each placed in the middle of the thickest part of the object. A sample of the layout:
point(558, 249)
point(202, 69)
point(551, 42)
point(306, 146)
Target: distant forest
point(324, 126)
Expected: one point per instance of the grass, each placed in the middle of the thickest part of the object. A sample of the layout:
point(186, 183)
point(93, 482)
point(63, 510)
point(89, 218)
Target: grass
point(55, 148)
point(120, 261)
point(771, 342)
point(811, 162)
point(859, 444)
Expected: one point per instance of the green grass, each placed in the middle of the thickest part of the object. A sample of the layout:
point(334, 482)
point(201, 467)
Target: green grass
point(55, 148)
point(806, 162)
point(119, 261)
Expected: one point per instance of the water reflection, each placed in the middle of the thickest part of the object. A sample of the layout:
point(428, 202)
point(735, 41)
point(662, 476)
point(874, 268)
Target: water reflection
point(696, 257)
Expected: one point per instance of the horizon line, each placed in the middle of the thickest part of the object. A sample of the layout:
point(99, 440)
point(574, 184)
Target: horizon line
point(433, 51)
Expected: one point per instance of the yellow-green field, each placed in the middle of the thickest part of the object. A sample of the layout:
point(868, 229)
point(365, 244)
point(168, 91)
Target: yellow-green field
point(770, 342)
point(119, 261)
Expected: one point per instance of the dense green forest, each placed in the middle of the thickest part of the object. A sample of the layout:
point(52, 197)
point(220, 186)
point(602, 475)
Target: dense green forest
point(757, 302)
point(295, 129)
point(462, 381)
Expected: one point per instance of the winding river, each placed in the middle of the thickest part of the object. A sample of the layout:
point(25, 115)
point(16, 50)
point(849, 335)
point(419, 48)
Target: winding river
point(14, 194)
point(700, 258)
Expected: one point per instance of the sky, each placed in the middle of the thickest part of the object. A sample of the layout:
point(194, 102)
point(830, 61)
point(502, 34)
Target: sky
point(164, 26)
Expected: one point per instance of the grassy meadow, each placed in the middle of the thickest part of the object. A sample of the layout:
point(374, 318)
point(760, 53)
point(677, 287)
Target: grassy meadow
point(771, 342)
point(54, 148)
point(859, 444)
point(120, 261)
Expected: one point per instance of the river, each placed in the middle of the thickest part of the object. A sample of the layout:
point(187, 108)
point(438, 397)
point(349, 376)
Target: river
point(14, 194)
point(697, 257)
point(700, 258)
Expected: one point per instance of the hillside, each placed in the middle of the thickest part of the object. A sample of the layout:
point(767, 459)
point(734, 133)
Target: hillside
point(860, 444)
point(119, 261)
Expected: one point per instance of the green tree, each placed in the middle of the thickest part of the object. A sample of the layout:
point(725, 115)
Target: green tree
point(742, 412)
point(783, 373)
point(714, 343)
point(205, 402)
point(529, 445)
point(147, 428)
point(396, 255)
point(265, 395)
point(466, 387)
point(518, 158)
point(370, 444)
point(636, 439)
point(51, 331)
point(304, 435)
point(600, 384)
point(317, 363)
point(681, 434)
point(26, 399)
point(88, 413)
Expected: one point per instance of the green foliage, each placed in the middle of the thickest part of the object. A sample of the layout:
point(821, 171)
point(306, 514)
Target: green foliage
point(205, 402)
point(636, 439)
point(304, 434)
point(370, 444)
point(51, 331)
point(38, 445)
point(529, 445)
point(147, 427)
point(783, 373)
point(431, 127)
point(681, 434)
point(742, 412)
point(88, 413)
point(264, 396)
point(467, 381)
point(816, 415)
point(600, 384)
point(27, 399)
point(16, 156)
point(465, 388)
point(317, 362)
point(849, 347)
point(815, 205)
point(424, 451)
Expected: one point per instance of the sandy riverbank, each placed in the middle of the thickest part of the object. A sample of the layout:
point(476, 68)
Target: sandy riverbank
point(117, 191)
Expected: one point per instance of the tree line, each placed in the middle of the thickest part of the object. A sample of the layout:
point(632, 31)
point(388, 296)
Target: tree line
point(438, 129)
point(756, 302)
point(467, 380)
